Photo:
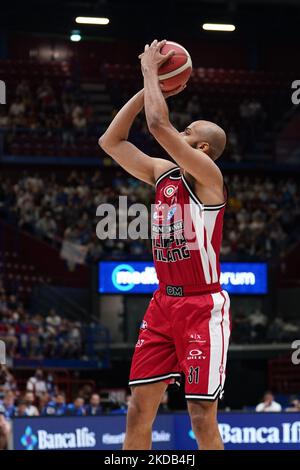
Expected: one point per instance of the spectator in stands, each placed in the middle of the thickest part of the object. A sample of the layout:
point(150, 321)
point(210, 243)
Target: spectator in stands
point(85, 392)
point(17, 108)
point(122, 408)
point(12, 302)
point(37, 383)
point(294, 406)
point(31, 409)
point(8, 335)
point(53, 319)
point(42, 400)
point(46, 227)
point(8, 404)
point(79, 121)
point(5, 429)
point(5, 121)
point(23, 90)
point(94, 407)
point(51, 387)
point(275, 331)
point(258, 323)
point(56, 407)
point(268, 404)
point(7, 381)
point(46, 97)
point(21, 410)
point(76, 408)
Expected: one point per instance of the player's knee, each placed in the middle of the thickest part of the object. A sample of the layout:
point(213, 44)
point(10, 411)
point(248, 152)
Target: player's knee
point(139, 414)
point(202, 417)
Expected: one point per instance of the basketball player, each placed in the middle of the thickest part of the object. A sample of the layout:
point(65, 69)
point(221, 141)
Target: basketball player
point(186, 327)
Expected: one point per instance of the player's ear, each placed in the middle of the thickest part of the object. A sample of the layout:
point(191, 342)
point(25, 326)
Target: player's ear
point(204, 146)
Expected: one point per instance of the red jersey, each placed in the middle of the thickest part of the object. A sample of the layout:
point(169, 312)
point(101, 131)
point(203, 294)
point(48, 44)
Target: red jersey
point(187, 237)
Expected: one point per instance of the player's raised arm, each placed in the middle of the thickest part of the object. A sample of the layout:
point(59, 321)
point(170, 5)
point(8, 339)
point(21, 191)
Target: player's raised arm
point(185, 148)
point(114, 142)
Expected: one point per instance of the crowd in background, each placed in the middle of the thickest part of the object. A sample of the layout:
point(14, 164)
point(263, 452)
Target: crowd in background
point(244, 123)
point(42, 397)
point(65, 113)
point(255, 327)
point(39, 336)
point(58, 211)
point(47, 108)
point(261, 216)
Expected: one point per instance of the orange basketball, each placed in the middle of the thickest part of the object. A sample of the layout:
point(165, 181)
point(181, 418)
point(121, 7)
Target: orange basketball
point(177, 70)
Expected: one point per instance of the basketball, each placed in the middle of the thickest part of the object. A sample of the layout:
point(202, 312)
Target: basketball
point(177, 70)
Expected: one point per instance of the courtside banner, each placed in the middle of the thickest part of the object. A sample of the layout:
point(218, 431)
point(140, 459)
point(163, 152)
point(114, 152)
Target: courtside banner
point(84, 433)
point(239, 431)
point(246, 431)
point(139, 277)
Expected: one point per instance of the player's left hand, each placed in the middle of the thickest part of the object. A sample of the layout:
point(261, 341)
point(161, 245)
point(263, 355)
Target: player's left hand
point(151, 58)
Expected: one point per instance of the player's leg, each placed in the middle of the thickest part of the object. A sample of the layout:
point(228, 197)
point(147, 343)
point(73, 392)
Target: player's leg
point(202, 344)
point(204, 424)
point(142, 409)
point(154, 365)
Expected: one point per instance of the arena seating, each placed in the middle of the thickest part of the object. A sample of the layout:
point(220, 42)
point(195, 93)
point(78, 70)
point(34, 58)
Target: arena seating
point(220, 92)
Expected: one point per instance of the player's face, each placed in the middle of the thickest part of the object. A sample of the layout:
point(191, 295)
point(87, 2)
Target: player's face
point(189, 136)
point(193, 136)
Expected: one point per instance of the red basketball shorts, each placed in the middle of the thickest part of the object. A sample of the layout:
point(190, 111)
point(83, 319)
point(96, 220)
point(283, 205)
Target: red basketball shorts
point(184, 334)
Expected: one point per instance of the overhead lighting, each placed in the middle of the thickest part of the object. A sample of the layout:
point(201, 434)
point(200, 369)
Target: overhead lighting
point(75, 36)
point(218, 27)
point(91, 20)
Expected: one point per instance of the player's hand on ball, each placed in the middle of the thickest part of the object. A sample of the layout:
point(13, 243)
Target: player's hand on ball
point(151, 58)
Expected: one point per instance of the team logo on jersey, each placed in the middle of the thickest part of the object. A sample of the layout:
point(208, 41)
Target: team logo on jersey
point(171, 212)
point(158, 214)
point(196, 338)
point(140, 343)
point(144, 325)
point(170, 190)
point(195, 354)
point(175, 291)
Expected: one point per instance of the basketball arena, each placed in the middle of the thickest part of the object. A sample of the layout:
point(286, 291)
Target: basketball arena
point(108, 314)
